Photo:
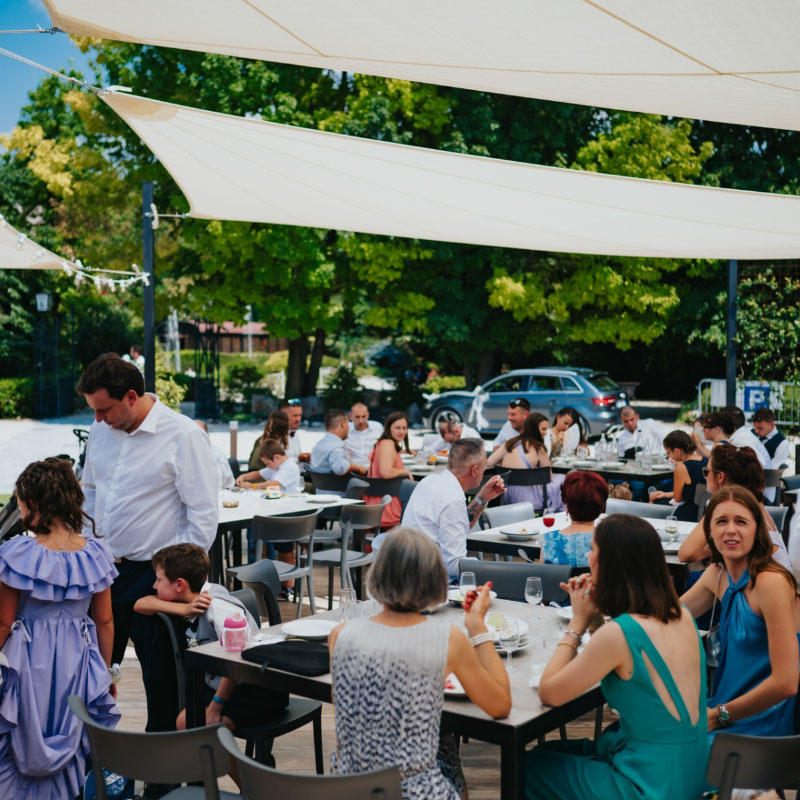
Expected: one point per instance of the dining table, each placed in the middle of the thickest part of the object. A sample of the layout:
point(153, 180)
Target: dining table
point(528, 721)
point(254, 503)
point(651, 475)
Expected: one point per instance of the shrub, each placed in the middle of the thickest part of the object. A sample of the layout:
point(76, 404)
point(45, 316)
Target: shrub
point(342, 389)
point(16, 397)
point(445, 383)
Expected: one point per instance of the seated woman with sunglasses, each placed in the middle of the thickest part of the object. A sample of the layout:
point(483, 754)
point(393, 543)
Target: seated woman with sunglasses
point(651, 667)
point(758, 660)
point(733, 466)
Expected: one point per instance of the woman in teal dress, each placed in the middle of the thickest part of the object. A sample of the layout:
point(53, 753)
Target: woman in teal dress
point(758, 666)
point(651, 667)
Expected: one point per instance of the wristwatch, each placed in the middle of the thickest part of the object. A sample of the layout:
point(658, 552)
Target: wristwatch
point(480, 501)
point(723, 717)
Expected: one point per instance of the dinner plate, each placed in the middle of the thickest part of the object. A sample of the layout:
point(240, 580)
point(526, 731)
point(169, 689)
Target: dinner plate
point(516, 536)
point(585, 463)
point(312, 629)
point(662, 465)
point(613, 465)
point(454, 595)
point(322, 498)
point(453, 687)
point(524, 644)
point(565, 613)
point(522, 626)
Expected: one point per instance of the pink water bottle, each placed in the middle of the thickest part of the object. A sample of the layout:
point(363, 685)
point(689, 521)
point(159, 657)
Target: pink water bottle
point(234, 635)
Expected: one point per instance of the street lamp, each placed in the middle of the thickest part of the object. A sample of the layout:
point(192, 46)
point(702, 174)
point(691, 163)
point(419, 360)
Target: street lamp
point(42, 302)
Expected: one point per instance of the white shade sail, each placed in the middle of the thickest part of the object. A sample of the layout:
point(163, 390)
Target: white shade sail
point(726, 60)
point(246, 169)
point(17, 251)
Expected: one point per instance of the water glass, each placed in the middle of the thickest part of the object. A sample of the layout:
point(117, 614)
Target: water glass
point(348, 604)
point(650, 491)
point(508, 641)
point(467, 583)
point(671, 526)
point(534, 594)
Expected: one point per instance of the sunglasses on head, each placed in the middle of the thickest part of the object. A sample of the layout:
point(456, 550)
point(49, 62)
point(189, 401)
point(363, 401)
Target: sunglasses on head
point(517, 403)
point(295, 401)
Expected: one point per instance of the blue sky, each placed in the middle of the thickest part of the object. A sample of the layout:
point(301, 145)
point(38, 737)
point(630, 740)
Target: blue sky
point(56, 52)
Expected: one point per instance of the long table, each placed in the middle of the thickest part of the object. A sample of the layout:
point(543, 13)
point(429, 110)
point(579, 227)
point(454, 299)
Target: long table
point(253, 503)
point(529, 718)
point(630, 472)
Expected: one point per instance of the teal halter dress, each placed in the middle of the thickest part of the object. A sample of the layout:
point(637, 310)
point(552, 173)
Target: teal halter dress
point(650, 756)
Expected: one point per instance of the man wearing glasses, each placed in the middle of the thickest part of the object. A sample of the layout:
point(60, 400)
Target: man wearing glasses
point(519, 409)
point(294, 410)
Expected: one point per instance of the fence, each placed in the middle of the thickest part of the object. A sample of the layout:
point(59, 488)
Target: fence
point(782, 398)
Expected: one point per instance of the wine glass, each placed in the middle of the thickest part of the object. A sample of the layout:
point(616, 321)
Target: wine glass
point(534, 594)
point(549, 517)
point(508, 641)
point(348, 604)
point(582, 451)
point(671, 526)
point(467, 583)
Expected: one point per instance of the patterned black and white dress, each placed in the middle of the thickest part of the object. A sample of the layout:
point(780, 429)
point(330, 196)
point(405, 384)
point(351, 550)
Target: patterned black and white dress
point(387, 692)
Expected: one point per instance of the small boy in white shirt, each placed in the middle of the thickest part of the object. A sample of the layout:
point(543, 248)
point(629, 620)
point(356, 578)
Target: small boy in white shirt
point(280, 471)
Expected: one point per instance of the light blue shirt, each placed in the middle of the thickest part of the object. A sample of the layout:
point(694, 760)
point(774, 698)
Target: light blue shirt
point(330, 455)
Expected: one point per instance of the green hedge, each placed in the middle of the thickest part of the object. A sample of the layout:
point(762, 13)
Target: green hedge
point(445, 383)
point(16, 397)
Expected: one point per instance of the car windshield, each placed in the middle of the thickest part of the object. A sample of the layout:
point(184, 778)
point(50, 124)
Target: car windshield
point(604, 383)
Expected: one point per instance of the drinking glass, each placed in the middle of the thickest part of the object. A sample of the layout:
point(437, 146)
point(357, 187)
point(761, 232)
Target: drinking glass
point(534, 594)
point(671, 526)
point(348, 604)
point(582, 451)
point(651, 490)
point(549, 517)
point(467, 583)
point(508, 641)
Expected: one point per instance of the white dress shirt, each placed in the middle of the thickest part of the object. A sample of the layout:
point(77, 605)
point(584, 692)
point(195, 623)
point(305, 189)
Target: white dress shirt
point(743, 437)
point(782, 451)
point(652, 437)
point(330, 456)
point(287, 475)
point(295, 447)
point(794, 541)
point(438, 508)
point(440, 444)
point(506, 432)
point(151, 488)
point(359, 444)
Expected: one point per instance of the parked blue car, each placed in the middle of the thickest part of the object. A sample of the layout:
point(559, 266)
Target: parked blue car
point(596, 397)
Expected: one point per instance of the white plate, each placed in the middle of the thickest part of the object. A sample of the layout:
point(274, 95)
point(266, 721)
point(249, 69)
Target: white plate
point(321, 499)
point(516, 536)
point(523, 645)
point(522, 626)
point(585, 463)
point(454, 595)
point(565, 613)
point(613, 465)
point(312, 629)
point(457, 690)
point(662, 465)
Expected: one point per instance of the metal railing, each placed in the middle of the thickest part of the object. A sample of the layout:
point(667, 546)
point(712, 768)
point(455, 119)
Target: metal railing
point(782, 398)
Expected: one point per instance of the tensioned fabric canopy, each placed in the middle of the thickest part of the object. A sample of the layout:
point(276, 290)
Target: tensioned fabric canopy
point(17, 251)
point(726, 60)
point(246, 169)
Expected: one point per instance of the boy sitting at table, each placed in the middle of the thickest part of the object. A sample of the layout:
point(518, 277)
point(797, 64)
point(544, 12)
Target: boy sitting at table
point(183, 590)
point(280, 471)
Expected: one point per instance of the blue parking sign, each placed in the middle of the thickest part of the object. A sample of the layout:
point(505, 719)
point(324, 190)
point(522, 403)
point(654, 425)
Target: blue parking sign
point(755, 397)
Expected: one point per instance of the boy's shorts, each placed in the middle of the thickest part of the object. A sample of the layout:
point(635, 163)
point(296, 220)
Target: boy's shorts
point(251, 705)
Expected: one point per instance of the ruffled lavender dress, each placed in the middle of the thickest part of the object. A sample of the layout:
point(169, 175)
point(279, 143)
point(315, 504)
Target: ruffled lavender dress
point(52, 653)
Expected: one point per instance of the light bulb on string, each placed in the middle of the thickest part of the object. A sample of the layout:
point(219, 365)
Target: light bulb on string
point(20, 241)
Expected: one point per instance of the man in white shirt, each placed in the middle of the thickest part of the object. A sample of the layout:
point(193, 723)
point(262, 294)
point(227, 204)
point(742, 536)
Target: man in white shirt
point(646, 431)
point(450, 432)
point(294, 410)
point(330, 454)
point(743, 437)
point(221, 464)
point(519, 410)
point(148, 482)
point(775, 443)
point(438, 508)
point(362, 435)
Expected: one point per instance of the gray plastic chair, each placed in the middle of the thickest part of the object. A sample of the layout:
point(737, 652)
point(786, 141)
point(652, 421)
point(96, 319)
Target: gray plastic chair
point(506, 515)
point(196, 755)
point(353, 518)
point(508, 580)
point(261, 580)
point(739, 762)
point(404, 493)
point(261, 783)
point(701, 498)
point(354, 491)
point(651, 510)
point(248, 598)
point(772, 478)
point(778, 514)
point(329, 482)
point(298, 529)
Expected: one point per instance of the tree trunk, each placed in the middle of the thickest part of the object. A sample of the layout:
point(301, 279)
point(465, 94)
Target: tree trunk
point(316, 361)
point(486, 366)
point(469, 376)
point(296, 368)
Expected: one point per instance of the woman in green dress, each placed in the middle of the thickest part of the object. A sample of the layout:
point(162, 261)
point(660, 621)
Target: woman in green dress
point(651, 666)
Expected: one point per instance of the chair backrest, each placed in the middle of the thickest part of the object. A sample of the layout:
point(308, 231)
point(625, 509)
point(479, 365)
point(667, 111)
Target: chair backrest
point(540, 476)
point(248, 598)
point(701, 496)
point(378, 487)
point(651, 510)
point(772, 477)
point(262, 783)
point(177, 657)
point(329, 482)
point(284, 529)
point(508, 580)
point(505, 515)
point(235, 468)
point(778, 514)
point(791, 481)
point(261, 578)
point(739, 761)
point(355, 489)
point(404, 493)
point(173, 757)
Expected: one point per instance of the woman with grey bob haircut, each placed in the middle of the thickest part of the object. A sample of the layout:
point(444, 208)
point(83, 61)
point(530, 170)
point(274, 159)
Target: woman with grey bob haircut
point(389, 672)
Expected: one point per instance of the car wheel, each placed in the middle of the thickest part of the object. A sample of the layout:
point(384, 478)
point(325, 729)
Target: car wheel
point(444, 414)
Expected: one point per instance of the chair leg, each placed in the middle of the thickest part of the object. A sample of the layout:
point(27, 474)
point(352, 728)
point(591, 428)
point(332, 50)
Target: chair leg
point(299, 590)
point(562, 729)
point(318, 743)
point(311, 594)
point(249, 748)
point(598, 722)
point(330, 588)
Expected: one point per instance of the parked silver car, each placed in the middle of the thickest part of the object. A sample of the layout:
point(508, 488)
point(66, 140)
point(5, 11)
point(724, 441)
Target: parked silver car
point(594, 395)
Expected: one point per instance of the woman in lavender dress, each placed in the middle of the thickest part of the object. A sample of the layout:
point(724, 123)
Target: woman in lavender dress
point(48, 583)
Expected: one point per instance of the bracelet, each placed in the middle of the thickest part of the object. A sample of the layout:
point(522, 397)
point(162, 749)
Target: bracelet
point(114, 673)
point(479, 501)
point(568, 644)
point(480, 638)
point(218, 699)
point(576, 636)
